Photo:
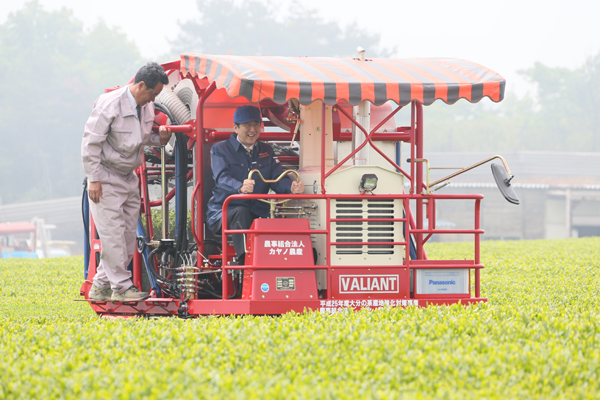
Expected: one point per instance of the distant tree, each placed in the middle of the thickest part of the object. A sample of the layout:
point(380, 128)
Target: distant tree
point(568, 105)
point(251, 28)
point(562, 115)
point(483, 126)
point(51, 71)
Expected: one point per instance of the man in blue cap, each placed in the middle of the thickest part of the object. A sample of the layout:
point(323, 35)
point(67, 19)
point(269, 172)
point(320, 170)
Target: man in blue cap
point(231, 162)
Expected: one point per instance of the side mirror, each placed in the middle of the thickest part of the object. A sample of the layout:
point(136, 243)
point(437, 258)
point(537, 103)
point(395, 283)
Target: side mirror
point(501, 174)
point(503, 182)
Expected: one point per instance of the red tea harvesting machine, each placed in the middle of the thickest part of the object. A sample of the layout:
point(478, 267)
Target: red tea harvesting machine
point(355, 238)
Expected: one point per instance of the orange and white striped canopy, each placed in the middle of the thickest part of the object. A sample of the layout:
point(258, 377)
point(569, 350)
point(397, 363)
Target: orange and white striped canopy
point(332, 80)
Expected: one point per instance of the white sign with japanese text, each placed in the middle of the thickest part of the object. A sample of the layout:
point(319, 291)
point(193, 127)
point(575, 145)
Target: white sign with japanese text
point(335, 306)
point(285, 247)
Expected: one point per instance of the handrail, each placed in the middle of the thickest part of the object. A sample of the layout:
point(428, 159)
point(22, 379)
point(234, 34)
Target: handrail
point(214, 135)
point(368, 219)
point(409, 230)
point(368, 243)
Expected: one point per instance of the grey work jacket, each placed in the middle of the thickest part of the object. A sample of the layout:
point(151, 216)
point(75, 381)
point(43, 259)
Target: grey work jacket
point(114, 138)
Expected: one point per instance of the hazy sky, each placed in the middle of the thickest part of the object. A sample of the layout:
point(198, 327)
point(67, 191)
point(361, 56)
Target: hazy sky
point(505, 35)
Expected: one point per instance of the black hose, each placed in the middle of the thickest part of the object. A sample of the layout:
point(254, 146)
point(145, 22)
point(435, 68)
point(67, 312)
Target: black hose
point(169, 287)
point(212, 291)
point(85, 226)
point(181, 234)
point(181, 239)
point(165, 256)
point(213, 294)
point(235, 289)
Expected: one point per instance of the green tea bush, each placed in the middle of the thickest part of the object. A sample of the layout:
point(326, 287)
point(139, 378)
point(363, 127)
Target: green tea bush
point(157, 223)
point(538, 337)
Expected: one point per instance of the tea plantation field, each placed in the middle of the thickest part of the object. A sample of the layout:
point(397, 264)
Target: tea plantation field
point(538, 337)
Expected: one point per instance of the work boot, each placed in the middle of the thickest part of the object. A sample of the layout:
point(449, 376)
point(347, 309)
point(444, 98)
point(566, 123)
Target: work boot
point(100, 294)
point(131, 294)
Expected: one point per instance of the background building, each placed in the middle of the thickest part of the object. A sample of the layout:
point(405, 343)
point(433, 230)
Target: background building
point(559, 193)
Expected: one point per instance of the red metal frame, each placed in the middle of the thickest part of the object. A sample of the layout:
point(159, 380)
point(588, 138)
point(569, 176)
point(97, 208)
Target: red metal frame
point(425, 208)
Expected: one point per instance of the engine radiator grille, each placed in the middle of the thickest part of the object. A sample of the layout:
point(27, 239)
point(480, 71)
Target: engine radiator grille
point(367, 231)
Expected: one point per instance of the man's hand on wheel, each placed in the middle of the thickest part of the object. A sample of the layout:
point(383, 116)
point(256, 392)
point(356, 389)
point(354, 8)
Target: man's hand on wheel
point(247, 186)
point(297, 187)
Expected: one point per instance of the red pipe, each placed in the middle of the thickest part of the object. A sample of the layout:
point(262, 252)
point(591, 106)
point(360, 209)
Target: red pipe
point(176, 128)
point(327, 203)
point(476, 255)
point(167, 67)
point(471, 266)
point(357, 196)
point(193, 213)
point(323, 144)
point(366, 243)
point(137, 269)
point(289, 159)
point(412, 147)
point(430, 217)
point(312, 267)
point(218, 136)
point(172, 65)
point(200, 169)
point(368, 140)
point(419, 180)
point(153, 173)
point(377, 136)
point(273, 231)
point(421, 231)
point(160, 169)
point(224, 233)
point(368, 220)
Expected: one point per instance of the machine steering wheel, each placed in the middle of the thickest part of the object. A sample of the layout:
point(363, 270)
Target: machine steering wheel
point(274, 202)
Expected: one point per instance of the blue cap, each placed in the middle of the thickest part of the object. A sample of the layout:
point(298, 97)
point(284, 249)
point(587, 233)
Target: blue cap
point(247, 114)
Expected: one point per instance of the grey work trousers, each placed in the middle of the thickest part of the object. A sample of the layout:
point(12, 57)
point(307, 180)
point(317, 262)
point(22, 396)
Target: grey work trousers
point(116, 217)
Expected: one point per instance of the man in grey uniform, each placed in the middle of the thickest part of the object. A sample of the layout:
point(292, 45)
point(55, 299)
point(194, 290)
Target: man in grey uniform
point(112, 148)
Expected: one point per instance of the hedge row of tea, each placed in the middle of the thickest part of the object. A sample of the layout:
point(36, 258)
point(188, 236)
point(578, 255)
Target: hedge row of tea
point(537, 337)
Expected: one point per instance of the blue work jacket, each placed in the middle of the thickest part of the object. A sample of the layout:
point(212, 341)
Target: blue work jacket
point(230, 167)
